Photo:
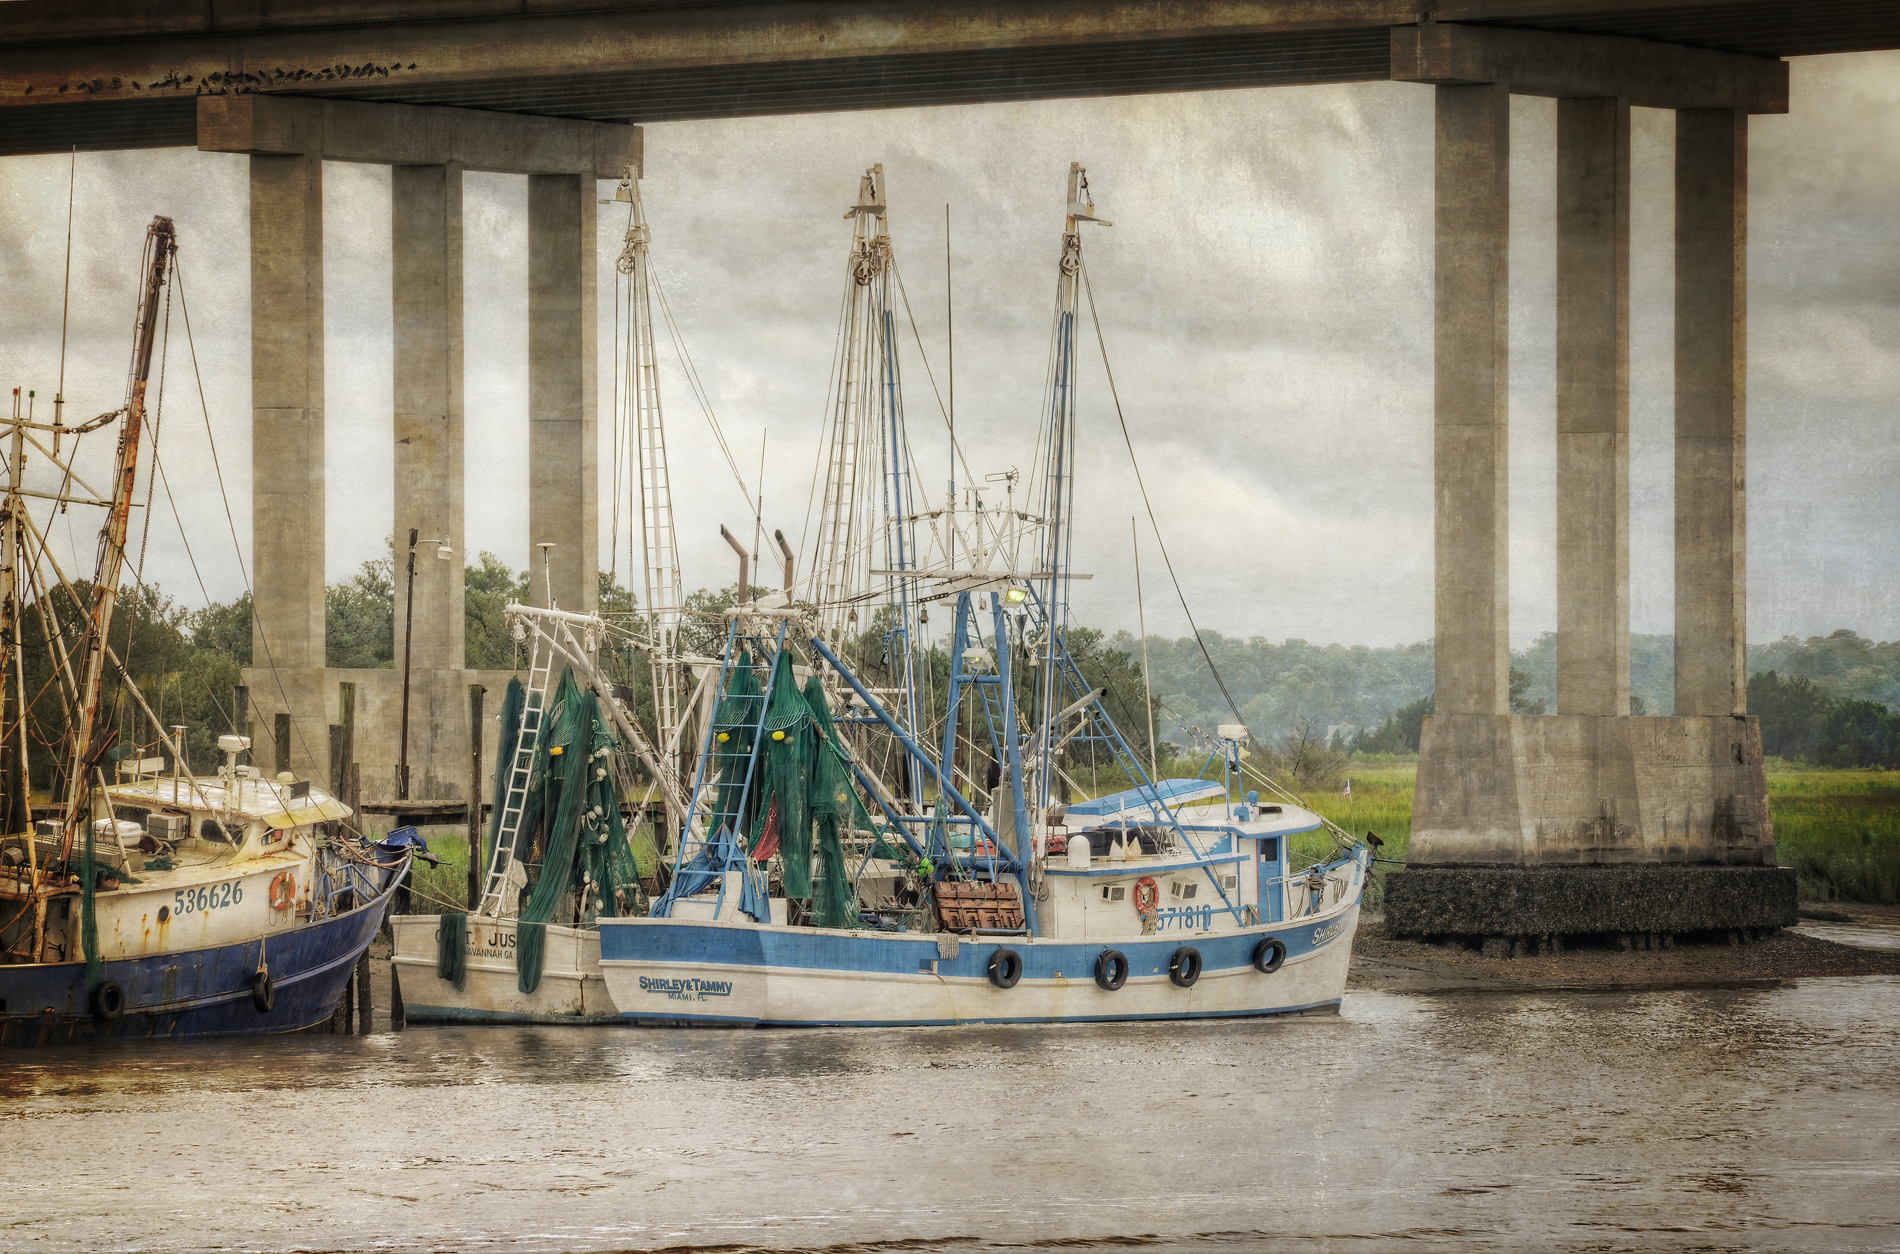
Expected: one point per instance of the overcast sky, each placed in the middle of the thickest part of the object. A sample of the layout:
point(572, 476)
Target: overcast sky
point(1265, 294)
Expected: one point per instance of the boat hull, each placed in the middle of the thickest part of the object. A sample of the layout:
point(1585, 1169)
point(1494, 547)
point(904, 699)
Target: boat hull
point(571, 990)
point(191, 993)
point(692, 972)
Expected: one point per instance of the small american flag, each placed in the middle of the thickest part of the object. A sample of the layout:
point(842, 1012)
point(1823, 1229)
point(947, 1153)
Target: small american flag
point(1346, 791)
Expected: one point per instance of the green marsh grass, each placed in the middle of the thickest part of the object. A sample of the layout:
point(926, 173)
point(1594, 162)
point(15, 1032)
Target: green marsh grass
point(439, 889)
point(1840, 831)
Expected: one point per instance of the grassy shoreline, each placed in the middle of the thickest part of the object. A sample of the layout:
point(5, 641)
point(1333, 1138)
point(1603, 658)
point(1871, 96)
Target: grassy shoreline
point(1839, 830)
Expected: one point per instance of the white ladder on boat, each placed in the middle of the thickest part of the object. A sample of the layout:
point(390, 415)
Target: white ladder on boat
point(520, 770)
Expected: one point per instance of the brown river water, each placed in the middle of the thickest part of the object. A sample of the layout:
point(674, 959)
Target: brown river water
point(1704, 1119)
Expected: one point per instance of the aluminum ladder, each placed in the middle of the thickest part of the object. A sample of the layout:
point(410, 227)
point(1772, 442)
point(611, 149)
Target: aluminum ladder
point(541, 659)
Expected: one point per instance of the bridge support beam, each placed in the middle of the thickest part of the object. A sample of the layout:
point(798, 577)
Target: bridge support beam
point(1711, 419)
point(287, 500)
point(1593, 418)
point(288, 140)
point(563, 470)
point(1588, 821)
point(426, 287)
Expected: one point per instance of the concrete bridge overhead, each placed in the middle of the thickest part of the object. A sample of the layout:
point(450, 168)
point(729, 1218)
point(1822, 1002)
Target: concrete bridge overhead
point(1567, 809)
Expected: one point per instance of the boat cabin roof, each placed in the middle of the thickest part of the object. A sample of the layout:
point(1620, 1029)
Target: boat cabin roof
point(260, 800)
point(1170, 791)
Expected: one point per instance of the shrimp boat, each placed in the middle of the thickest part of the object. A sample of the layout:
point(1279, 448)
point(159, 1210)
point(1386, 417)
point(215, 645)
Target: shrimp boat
point(528, 952)
point(808, 892)
point(164, 904)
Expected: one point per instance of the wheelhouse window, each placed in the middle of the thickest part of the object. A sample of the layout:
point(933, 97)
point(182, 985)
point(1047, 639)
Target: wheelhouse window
point(219, 833)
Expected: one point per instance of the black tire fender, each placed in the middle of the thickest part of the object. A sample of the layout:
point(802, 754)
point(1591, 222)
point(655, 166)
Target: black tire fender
point(1111, 970)
point(108, 1001)
point(1006, 967)
point(1185, 966)
point(263, 993)
point(1269, 954)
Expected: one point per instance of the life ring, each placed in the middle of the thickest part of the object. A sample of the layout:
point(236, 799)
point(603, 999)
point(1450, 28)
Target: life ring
point(263, 993)
point(1006, 967)
point(1111, 970)
point(1147, 895)
point(283, 891)
point(108, 1001)
point(1268, 955)
point(1185, 967)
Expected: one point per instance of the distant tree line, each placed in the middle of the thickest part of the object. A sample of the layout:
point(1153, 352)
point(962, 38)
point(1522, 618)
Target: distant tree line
point(1374, 700)
point(1800, 721)
point(1827, 700)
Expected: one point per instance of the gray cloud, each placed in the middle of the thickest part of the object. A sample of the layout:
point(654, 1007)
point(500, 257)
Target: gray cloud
point(1265, 295)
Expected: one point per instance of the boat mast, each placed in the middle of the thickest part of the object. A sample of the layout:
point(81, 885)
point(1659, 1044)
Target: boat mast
point(160, 245)
point(12, 663)
point(665, 592)
point(1059, 489)
point(840, 569)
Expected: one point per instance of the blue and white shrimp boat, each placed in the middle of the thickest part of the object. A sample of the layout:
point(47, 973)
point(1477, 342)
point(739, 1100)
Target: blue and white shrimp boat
point(977, 896)
point(164, 905)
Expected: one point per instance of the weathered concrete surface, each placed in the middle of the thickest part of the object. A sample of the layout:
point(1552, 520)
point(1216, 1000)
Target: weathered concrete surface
point(438, 726)
point(1579, 790)
point(1711, 411)
point(1471, 360)
point(1565, 64)
point(1593, 261)
point(404, 134)
point(563, 451)
point(287, 409)
point(1571, 901)
point(426, 283)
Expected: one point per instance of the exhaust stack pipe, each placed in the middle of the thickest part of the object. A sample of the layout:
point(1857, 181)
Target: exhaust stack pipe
point(786, 549)
point(745, 564)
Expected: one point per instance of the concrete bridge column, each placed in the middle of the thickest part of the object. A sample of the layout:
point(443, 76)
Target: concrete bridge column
point(287, 540)
point(1471, 358)
point(1711, 410)
point(287, 139)
point(563, 475)
point(1593, 261)
point(1588, 821)
point(426, 278)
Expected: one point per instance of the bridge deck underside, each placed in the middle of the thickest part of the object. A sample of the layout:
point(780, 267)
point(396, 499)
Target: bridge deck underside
point(473, 59)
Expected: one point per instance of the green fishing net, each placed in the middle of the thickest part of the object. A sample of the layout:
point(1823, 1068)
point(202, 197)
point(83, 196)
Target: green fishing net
point(561, 756)
point(608, 872)
point(734, 724)
point(786, 777)
point(451, 949)
point(835, 806)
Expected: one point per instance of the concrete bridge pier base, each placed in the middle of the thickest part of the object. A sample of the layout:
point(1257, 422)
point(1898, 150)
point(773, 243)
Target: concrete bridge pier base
point(1528, 831)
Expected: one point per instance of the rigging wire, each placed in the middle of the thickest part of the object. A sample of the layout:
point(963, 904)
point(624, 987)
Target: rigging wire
point(257, 624)
point(1148, 504)
point(948, 422)
point(693, 381)
point(66, 299)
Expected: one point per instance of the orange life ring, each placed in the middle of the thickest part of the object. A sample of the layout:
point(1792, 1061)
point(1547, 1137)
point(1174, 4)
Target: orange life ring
point(1147, 895)
point(283, 891)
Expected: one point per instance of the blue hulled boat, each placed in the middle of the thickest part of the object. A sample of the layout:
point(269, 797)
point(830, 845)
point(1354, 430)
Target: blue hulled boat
point(164, 904)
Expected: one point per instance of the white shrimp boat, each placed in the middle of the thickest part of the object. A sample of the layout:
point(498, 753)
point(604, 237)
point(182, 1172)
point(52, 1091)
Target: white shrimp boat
point(1174, 899)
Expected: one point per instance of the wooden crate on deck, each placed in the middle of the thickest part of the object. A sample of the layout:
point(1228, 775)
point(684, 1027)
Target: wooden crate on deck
point(966, 905)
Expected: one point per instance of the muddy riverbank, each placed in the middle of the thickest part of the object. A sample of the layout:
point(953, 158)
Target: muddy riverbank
point(1388, 964)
